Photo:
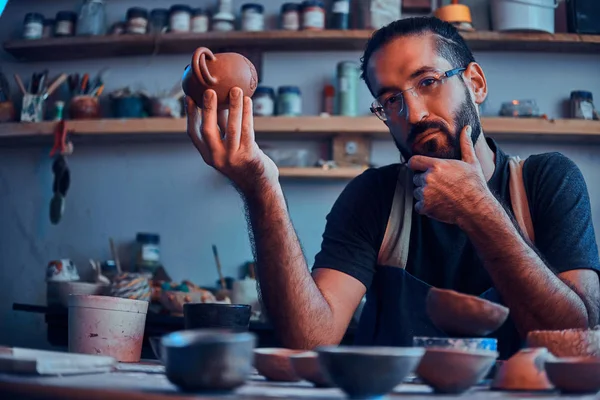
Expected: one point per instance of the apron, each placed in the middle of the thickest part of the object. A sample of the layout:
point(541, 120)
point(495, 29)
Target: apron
point(394, 311)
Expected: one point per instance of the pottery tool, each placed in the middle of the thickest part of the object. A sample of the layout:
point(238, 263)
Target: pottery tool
point(218, 262)
point(20, 84)
point(54, 85)
point(113, 250)
point(84, 83)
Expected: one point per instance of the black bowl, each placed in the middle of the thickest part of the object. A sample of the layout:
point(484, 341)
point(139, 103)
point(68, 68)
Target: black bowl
point(234, 317)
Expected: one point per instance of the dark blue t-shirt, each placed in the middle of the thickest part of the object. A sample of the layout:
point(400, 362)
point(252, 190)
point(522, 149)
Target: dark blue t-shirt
point(441, 254)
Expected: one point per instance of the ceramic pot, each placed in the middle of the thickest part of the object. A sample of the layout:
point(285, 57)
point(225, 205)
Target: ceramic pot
point(220, 72)
point(234, 317)
point(84, 107)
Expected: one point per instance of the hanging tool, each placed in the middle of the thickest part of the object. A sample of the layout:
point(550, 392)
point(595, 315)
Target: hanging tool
point(60, 169)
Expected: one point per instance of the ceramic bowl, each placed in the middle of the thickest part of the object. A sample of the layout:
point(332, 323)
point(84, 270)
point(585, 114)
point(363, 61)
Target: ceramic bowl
point(307, 367)
point(368, 372)
point(275, 364)
point(574, 374)
point(567, 343)
point(524, 371)
point(235, 317)
point(454, 371)
point(207, 359)
point(460, 314)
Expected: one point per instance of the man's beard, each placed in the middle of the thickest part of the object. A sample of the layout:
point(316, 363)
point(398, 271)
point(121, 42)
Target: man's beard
point(466, 115)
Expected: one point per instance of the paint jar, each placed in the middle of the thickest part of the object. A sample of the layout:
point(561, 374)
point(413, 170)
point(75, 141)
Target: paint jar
point(48, 28)
point(313, 15)
point(148, 258)
point(289, 101)
point(347, 80)
point(65, 23)
point(263, 102)
point(199, 20)
point(328, 104)
point(159, 21)
point(340, 14)
point(92, 18)
point(33, 26)
point(223, 22)
point(253, 19)
point(582, 104)
point(181, 18)
point(137, 20)
point(290, 16)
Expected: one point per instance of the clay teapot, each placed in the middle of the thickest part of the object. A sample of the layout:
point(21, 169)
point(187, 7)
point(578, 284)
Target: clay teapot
point(220, 72)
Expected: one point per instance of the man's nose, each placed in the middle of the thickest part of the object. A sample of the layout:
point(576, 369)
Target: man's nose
point(415, 109)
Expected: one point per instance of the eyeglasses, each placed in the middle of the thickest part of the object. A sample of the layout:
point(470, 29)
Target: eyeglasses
point(428, 86)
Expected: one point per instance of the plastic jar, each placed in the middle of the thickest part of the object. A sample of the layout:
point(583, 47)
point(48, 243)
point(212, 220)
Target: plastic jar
point(199, 20)
point(48, 28)
point(137, 20)
point(340, 14)
point(223, 22)
point(148, 251)
point(180, 18)
point(65, 23)
point(92, 18)
point(313, 15)
point(347, 79)
point(289, 101)
point(290, 16)
point(253, 19)
point(159, 20)
point(582, 104)
point(263, 102)
point(33, 26)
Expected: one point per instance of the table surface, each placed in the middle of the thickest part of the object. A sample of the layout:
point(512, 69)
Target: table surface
point(147, 381)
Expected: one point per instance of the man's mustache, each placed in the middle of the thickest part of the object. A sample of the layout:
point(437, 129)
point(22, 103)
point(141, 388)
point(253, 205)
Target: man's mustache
point(422, 127)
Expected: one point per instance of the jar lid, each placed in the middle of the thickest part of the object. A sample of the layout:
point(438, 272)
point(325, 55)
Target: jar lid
point(198, 11)
point(66, 15)
point(136, 12)
point(34, 15)
point(289, 89)
point(290, 7)
point(264, 90)
point(161, 12)
point(181, 7)
point(258, 7)
point(582, 94)
point(313, 3)
point(148, 237)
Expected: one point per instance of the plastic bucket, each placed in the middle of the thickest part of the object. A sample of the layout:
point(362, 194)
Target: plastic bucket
point(109, 326)
point(524, 15)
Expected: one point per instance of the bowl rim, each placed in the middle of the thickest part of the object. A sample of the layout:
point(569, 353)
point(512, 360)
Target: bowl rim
point(305, 354)
point(377, 351)
point(189, 337)
point(574, 360)
point(277, 351)
point(468, 352)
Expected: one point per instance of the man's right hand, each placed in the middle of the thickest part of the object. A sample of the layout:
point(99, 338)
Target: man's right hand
point(233, 152)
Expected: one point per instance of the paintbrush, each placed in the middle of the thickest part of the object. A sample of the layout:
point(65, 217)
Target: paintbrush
point(20, 84)
point(54, 85)
point(218, 262)
point(113, 250)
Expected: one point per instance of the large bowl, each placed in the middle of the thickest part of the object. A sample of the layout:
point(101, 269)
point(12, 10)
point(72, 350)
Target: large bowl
point(368, 372)
point(574, 374)
point(275, 364)
point(207, 359)
point(307, 367)
point(454, 371)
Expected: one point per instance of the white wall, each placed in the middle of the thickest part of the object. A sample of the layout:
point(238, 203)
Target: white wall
point(119, 189)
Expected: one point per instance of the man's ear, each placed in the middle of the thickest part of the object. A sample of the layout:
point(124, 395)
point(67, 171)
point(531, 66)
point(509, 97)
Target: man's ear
point(475, 79)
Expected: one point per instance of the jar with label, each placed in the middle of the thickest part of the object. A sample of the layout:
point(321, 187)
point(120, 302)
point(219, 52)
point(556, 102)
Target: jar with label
point(289, 101)
point(33, 26)
point(347, 78)
point(92, 18)
point(582, 104)
point(48, 28)
point(137, 20)
point(253, 19)
point(148, 258)
point(65, 23)
point(313, 15)
point(181, 18)
point(290, 16)
point(340, 14)
point(263, 102)
point(159, 21)
point(223, 22)
point(199, 20)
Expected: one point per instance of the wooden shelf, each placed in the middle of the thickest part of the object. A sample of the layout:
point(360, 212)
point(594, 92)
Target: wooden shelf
point(319, 173)
point(72, 48)
point(306, 128)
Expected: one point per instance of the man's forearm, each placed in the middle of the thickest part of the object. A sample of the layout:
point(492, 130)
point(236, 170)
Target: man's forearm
point(536, 296)
point(294, 303)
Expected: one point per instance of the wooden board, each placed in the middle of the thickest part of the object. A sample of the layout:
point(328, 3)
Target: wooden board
point(72, 48)
point(42, 362)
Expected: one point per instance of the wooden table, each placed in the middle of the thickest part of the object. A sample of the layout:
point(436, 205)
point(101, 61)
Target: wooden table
point(147, 381)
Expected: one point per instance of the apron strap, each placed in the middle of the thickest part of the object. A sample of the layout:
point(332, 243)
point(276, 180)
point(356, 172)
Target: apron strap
point(395, 244)
point(518, 197)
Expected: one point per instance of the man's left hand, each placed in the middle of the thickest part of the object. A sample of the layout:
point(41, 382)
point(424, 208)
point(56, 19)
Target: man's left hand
point(450, 190)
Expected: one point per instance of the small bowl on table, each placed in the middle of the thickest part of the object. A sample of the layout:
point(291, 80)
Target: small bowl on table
point(574, 374)
point(307, 367)
point(275, 364)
